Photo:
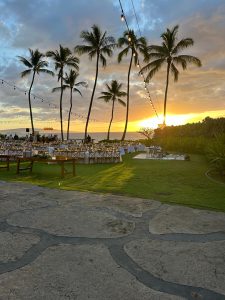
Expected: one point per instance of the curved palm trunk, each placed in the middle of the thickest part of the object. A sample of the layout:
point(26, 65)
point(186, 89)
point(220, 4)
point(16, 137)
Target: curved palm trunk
point(128, 97)
point(92, 97)
point(29, 93)
point(71, 105)
point(166, 91)
point(111, 119)
point(60, 108)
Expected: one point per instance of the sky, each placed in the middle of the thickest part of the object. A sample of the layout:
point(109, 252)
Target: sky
point(44, 24)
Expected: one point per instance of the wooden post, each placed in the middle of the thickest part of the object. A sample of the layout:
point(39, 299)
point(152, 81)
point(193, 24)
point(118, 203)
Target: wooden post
point(31, 166)
point(62, 169)
point(7, 163)
point(74, 170)
point(18, 166)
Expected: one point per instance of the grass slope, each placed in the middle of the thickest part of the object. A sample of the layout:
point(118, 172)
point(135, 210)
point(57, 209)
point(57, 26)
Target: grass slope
point(180, 182)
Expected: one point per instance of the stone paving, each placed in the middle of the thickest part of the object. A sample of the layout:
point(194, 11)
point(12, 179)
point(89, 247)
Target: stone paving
point(58, 244)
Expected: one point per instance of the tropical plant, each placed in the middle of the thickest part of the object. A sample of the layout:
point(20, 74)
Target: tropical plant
point(168, 53)
point(71, 84)
point(216, 154)
point(134, 46)
point(113, 94)
point(63, 58)
point(96, 44)
point(35, 65)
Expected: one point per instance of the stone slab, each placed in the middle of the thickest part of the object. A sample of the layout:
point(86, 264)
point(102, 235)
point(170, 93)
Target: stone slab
point(180, 219)
point(73, 221)
point(196, 264)
point(13, 246)
point(75, 272)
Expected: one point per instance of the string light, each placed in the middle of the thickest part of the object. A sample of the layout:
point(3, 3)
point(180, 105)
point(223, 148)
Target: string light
point(122, 17)
point(42, 100)
point(134, 54)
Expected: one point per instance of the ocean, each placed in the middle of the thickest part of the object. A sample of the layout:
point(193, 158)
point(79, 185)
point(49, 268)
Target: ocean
point(97, 136)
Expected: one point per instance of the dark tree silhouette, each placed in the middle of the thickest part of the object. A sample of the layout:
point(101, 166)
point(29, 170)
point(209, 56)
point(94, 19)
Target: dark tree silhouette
point(113, 94)
point(97, 44)
point(168, 53)
point(35, 65)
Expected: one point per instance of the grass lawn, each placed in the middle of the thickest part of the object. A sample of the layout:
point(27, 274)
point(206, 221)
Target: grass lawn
point(181, 182)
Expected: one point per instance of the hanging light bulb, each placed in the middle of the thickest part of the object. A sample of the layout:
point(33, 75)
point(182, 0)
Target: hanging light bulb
point(138, 65)
point(122, 17)
point(134, 54)
point(129, 38)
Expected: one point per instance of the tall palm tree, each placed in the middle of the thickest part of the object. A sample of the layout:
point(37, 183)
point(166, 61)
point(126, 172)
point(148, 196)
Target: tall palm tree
point(134, 46)
point(96, 44)
point(35, 65)
point(113, 94)
point(63, 58)
point(168, 53)
point(71, 84)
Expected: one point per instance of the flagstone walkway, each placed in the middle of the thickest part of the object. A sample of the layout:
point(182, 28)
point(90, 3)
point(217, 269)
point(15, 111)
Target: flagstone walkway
point(58, 244)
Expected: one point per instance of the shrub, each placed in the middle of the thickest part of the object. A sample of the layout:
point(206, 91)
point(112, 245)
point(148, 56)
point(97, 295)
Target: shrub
point(216, 154)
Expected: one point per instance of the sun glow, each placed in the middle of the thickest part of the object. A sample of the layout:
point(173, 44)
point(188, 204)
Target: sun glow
point(170, 120)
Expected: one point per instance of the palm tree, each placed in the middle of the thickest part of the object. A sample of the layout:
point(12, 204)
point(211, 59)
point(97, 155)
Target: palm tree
point(63, 58)
point(168, 53)
point(35, 65)
point(96, 44)
point(133, 45)
point(71, 84)
point(113, 94)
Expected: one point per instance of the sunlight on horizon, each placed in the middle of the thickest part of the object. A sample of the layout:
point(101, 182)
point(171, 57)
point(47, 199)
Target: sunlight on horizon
point(182, 119)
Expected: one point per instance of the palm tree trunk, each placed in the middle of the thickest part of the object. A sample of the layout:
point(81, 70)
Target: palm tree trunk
point(111, 119)
point(71, 105)
point(29, 93)
point(166, 91)
point(128, 97)
point(60, 107)
point(92, 97)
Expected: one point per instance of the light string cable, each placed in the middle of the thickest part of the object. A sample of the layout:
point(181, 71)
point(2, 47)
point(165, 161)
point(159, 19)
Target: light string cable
point(123, 18)
point(139, 29)
point(36, 97)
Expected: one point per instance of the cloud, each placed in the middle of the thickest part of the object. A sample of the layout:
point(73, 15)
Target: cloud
point(44, 24)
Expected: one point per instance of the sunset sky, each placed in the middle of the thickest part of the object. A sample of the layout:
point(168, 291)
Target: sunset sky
point(44, 24)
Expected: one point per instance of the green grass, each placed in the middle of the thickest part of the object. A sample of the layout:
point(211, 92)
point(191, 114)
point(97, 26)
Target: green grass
point(181, 182)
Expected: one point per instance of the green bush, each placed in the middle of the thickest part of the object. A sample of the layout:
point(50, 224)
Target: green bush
point(216, 154)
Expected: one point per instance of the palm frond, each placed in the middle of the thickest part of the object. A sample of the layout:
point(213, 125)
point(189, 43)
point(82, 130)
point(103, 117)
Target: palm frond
point(25, 61)
point(153, 71)
point(57, 89)
point(152, 65)
point(46, 71)
point(191, 59)
point(82, 49)
point(82, 83)
point(25, 73)
point(182, 44)
point(103, 60)
point(174, 71)
point(121, 102)
point(180, 61)
point(123, 53)
point(77, 91)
